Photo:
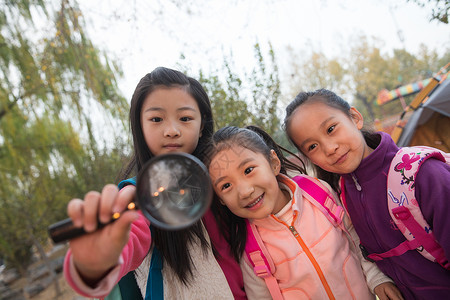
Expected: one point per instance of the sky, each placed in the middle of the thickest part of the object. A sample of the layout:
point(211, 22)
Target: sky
point(144, 34)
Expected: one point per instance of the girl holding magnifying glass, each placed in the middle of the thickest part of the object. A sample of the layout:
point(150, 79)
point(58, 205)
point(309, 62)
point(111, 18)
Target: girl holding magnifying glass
point(169, 112)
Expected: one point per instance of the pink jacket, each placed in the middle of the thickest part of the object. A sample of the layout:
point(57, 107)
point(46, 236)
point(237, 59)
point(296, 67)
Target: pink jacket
point(313, 258)
point(212, 278)
point(132, 256)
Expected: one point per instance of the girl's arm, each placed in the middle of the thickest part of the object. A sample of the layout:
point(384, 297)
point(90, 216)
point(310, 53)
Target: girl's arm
point(89, 255)
point(377, 281)
point(255, 287)
point(432, 193)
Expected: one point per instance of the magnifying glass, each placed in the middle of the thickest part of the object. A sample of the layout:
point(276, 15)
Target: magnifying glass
point(173, 191)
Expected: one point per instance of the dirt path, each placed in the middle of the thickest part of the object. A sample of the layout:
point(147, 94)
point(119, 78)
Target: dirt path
point(67, 292)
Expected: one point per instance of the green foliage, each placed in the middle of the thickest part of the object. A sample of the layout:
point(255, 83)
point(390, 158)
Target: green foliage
point(56, 87)
point(51, 78)
point(439, 12)
point(228, 106)
point(314, 72)
point(237, 104)
point(371, 72)
point(363, 72)
point(265, 91)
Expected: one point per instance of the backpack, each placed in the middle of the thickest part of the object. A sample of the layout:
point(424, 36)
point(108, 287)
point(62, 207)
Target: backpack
point(404, 208)
point(257, 253)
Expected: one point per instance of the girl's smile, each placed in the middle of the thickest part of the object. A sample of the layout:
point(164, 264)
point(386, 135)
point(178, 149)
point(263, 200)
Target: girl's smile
point(330, 138)
point(257, 203)
point(246, 182)
point(341, 159)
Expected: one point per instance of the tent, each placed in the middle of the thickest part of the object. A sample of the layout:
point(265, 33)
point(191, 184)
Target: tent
point(429, 124)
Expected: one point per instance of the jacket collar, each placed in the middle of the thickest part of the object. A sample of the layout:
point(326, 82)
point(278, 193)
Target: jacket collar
point(296, 205)
point(375, 162)
point(295, 191)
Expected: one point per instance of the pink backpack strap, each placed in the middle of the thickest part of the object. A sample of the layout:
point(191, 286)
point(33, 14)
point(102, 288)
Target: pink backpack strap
point(404, 208)
point(343, 199)
point(321, 197)
point(262, 264)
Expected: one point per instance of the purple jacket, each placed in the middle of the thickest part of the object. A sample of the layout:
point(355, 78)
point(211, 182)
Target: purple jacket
point(414, 275)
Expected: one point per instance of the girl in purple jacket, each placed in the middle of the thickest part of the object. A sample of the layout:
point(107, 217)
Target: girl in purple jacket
point(329, 132)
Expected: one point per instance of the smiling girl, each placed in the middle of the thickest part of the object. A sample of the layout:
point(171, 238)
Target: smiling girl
point(327, 130)
point(170, 112)
point(314, 259)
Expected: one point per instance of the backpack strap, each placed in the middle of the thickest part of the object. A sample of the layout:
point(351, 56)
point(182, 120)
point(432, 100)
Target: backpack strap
point(342, 195)
point(262, 264)
point(126, 182)
point(320, 196)
point(129, 288)
point(404, 208)
point(155, 287)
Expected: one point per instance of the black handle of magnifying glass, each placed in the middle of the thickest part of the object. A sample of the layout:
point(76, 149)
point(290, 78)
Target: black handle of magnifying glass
point(65, 230)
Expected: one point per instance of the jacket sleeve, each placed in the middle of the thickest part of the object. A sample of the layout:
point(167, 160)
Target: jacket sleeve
point(432, 193)
point(255, 287)
point(132, 255)
point(374, 276)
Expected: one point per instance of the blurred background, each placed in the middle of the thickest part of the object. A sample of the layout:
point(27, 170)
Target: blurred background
point(68, 70)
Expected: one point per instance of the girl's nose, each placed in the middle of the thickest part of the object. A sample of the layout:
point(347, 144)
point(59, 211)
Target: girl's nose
point(245, 190)
point(331, 147)
point(171, 130)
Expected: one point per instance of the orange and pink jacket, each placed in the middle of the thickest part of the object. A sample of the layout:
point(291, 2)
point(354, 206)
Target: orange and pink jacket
point(313, 258)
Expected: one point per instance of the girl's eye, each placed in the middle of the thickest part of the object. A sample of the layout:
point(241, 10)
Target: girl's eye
point(312, 147)
point(156, 119)
point(225, 186)
point(248, 170)
point(331, 128)
point(185, 119)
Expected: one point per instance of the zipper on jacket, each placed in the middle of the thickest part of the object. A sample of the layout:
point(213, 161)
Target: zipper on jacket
point(358, 187)
point(313, 261)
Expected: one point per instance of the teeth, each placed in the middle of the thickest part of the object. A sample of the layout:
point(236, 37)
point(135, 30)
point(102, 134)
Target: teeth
point(256, 202)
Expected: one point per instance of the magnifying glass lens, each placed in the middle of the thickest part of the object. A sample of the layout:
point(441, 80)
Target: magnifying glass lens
point(174, 190)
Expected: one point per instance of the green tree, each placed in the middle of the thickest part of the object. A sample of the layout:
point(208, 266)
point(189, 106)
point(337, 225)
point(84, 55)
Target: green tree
point(246, 99)
point(312, 71)
point(55, 86)
point(228, 105)
point(371, 72)
point(363, 72)
point(265, 88)
point(439, 12)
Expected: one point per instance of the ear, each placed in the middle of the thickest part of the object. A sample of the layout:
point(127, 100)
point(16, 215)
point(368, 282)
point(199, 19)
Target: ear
point(275, 162)
point(357, 118)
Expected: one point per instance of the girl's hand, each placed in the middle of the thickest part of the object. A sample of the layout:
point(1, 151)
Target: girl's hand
point(388, 291)
point(94, 254)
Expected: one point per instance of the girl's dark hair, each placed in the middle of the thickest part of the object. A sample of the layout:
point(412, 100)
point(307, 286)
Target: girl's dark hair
point(257, 140)
point(173, 245)
point(331, 99)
